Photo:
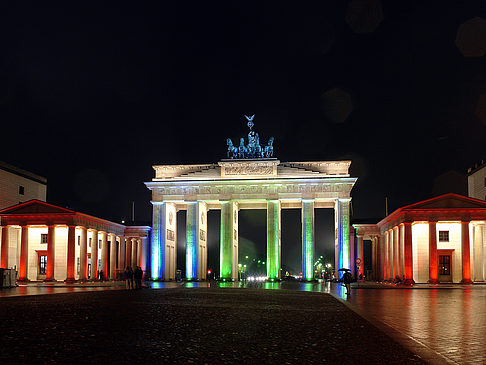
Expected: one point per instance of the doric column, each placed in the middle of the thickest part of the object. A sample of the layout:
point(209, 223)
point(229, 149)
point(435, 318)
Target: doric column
point(396, 253)
point(128, 255)
point(144, 255)
point(104, 255)
point(229, 241)
point(392, 256)
point(196, 247)
point(308, 240)
point(94, 255)
point(359, 245)
point(433, 268)
point(113, 253)
point(466, 254)
point(478, 253)
point(134, 253)
point(83, 254)
point(164, 238)
point(51, 252)
point(401, 249)
point(408, 253)
point(273, 240)
point(122, 253)
point(374, 267)
point(381, 255)
point(71, 257)
point(4, 251)
point(342, 246)
point(24, 254)
point(387, 260)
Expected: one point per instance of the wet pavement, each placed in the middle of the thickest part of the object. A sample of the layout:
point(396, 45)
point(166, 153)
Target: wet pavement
point(448, 320)
point(442, 324)
point(180, 324)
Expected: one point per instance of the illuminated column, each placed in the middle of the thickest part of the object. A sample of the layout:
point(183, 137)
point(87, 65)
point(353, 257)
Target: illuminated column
point(71, 250)
point(408, 253)
point(196, 241)
point(374, 267)
point(229, 241)
point(113, 257)
point(273, 240)
point(391, 247)
point(24, 254)
point(83, 254)
point(122, 253)
point(478, 253)
point(104, 255)
point(134, 253)
point(51, 253)
point(94, 255)
point(360, 256)
point(341, 214)
point(4, 251)
point(128, 250)
point(396, 253)
point(139, 252)
point(466, 253)
point(144, 255)
point(381, 249)
point(433, 273)
point(164, 231)
point(401, 249)
point(308, 241)
point(385, 256)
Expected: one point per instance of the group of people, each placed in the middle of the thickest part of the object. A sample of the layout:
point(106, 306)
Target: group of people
point(133, 278)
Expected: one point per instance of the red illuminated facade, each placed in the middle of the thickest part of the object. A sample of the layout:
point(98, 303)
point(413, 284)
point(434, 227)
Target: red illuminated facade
point(442, 239)
point(47, 242)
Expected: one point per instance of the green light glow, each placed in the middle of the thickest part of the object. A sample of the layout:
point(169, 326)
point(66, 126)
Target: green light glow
point(307, 239)
point(273, 239)
point(226, 240)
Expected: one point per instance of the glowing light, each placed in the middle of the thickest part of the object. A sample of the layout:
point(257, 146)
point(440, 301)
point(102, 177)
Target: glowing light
point(273, 239)
point(307, 239)
point(191, 241)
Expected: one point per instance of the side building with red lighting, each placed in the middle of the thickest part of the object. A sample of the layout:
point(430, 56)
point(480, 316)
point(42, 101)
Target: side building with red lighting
point(442, 239)
point(45, 242)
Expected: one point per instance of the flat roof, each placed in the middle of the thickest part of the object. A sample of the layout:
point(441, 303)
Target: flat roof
point(24, 173)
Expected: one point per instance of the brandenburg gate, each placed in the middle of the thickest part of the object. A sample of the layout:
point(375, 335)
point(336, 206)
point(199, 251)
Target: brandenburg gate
point(250, 178)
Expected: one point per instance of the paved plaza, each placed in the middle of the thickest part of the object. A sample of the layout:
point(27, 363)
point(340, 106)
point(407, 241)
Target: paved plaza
point(191, 325)
point(222, 323)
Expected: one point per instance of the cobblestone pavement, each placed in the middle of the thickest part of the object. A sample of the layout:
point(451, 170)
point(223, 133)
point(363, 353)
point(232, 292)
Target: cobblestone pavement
point(451, 321)
point(184, 325)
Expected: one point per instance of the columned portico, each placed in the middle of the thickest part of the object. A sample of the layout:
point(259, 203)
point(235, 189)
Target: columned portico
point(232, 185)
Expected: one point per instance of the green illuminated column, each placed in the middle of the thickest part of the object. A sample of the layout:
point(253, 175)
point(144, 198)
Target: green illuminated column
point(273, 240)
point(307, 240)
point(229, 241)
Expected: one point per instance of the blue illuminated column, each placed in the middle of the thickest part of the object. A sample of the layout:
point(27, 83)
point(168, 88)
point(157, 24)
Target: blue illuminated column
point(196, 248)
point(307, 240)
point(273, 240)
point(342, 246)
point(229, 241)
point(164, 230)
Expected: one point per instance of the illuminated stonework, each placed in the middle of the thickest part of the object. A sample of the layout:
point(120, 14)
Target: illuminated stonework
point(231, 185)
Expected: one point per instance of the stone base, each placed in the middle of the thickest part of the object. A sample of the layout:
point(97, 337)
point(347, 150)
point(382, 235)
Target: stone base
point(49, 280)
point(466, 281)
point(434, 281)
point(70, 281)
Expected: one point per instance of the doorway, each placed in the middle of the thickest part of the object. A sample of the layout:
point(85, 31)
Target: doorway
point(444, 265)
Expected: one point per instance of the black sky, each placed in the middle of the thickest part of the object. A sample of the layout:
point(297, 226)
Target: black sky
point(92, 95)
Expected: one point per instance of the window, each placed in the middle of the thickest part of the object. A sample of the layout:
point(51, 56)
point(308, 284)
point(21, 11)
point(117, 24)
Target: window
point(79, 265)
point(443, 236)
point(21, 190)
point(89, 243)
point(79, 240)
point(42, 265)
point(43, 237)
point(99, 244)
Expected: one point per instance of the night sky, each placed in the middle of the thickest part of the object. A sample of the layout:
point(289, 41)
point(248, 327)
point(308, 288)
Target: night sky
point(92, 96)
